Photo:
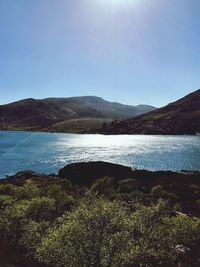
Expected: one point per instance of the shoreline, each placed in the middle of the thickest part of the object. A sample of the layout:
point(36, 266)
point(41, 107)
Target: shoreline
point(118, 171)
point(83, 175)
point(97, 133)
point(135, 171)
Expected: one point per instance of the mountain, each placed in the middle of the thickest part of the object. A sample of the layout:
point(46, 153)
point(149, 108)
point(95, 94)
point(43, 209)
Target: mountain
point(73, 114)
point(180, 117)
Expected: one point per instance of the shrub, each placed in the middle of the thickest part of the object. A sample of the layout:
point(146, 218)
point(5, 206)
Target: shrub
point(17, 215)
point(92, 235)
point(27, 191)
point(157, 190)
point(7, 189)
point(5, 201)
point(103, 186)
point(32, 235)
point(128, 185)
point(40, 209)
point(104, 233)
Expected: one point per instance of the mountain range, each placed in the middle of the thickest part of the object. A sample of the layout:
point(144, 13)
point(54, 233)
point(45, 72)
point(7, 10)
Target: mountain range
point(73, 114)
point(180, 117)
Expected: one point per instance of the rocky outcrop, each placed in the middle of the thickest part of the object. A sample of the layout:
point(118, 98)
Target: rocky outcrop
point(85, 173)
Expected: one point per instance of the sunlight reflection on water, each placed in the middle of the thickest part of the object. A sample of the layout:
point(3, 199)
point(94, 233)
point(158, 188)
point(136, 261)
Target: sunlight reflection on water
point(46, 152)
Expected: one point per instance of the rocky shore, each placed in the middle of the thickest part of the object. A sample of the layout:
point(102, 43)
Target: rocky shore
point(185, 184)
point(85, 173)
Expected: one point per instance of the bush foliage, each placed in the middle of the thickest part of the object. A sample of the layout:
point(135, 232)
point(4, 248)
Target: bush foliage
point(110, 224)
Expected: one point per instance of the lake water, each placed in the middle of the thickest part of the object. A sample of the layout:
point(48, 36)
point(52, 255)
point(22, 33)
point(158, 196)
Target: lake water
point(48, 152)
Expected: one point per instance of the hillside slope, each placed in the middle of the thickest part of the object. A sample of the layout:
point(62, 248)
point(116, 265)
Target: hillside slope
point(180, 117)
point(47, 114)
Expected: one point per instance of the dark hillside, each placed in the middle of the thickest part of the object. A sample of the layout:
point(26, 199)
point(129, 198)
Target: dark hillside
point(180, 117)
point(32, 114)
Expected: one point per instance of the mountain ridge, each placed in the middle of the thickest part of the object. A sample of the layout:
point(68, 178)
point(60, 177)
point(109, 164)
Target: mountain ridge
point(46, 114)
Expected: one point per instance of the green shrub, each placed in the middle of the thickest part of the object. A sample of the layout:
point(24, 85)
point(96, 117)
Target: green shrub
point(103, 186)
point(6, 200)
point(7, 189)
point(157, 190)
point(63, 201)
point(103, 233)
point(11, 221)
point(92, 235)
point(127, 185)
point(17, 215)
point(177, 207)
point(32, 235)
point(27, 191)
point(40, 209)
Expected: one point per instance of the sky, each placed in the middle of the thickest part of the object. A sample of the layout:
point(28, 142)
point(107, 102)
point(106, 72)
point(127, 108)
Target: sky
point(129, 51)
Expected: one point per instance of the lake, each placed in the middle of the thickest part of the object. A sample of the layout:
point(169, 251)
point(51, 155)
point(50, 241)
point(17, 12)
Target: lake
point(48, 152)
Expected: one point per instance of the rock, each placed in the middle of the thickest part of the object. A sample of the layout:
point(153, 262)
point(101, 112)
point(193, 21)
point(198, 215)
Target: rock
point(85, 173)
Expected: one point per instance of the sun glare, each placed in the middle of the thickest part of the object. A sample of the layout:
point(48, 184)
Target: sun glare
point(119, 3)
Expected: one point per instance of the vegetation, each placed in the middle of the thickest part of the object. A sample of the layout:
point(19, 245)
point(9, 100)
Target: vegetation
point(47, 221)
point(80, 125)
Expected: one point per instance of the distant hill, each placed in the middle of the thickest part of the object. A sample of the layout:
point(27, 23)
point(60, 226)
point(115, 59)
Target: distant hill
point(73, 114)
point(180, 117)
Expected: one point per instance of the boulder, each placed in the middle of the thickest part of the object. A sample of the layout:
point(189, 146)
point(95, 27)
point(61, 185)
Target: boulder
point(85, 173)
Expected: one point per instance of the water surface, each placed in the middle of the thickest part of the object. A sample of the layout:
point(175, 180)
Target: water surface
point(48, 152)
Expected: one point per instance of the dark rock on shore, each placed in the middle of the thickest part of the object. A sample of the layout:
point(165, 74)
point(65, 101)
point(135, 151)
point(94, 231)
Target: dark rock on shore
point(85, 173)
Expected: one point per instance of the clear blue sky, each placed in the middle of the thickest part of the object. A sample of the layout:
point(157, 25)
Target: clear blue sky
point(130, 51)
